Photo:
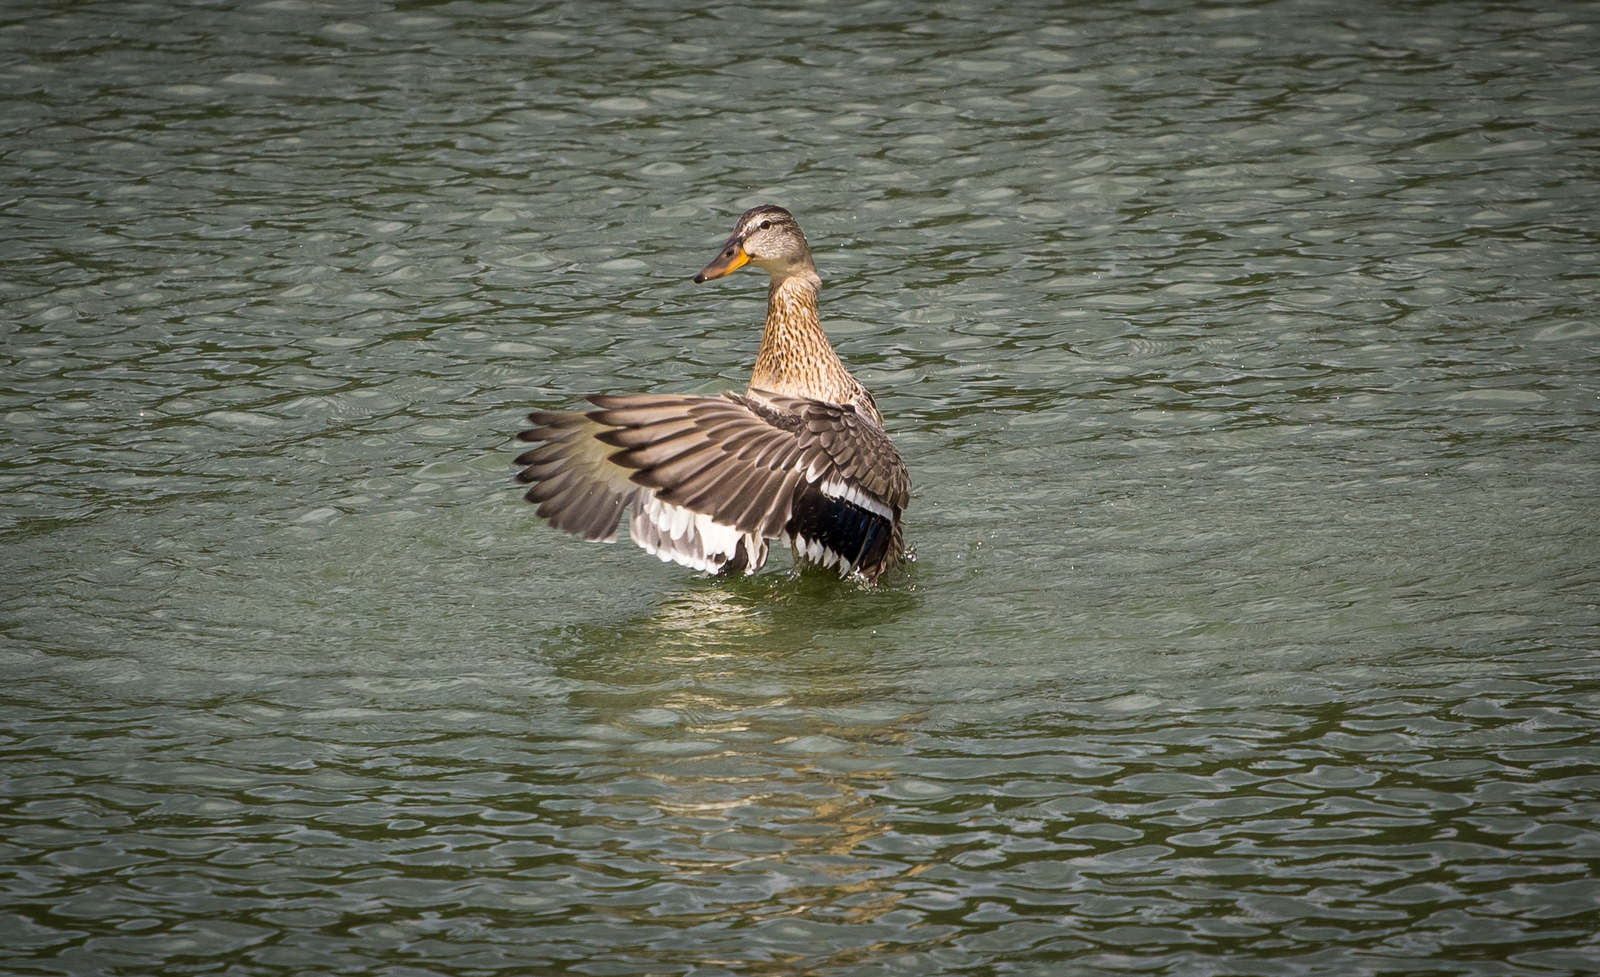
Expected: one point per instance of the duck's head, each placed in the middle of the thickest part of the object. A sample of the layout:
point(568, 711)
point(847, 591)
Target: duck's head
point(767, 237)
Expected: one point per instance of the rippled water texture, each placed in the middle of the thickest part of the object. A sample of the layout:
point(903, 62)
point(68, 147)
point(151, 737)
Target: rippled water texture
point(1245, 360)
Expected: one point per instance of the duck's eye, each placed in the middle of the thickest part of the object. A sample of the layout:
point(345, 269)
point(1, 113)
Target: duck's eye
point(766, 224)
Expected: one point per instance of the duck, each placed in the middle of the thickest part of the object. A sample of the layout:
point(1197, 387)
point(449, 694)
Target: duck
point(800, 458)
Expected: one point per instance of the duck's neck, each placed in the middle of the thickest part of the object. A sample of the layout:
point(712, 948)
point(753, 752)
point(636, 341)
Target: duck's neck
point(796, 359)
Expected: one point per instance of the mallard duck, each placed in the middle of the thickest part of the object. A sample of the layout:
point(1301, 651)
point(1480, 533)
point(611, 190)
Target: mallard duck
point(800, 457)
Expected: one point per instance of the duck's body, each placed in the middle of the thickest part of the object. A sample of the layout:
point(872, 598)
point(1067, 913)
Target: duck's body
point(800, 457)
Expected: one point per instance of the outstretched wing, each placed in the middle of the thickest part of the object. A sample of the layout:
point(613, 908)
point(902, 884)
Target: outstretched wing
point(711, 479)
point(821, 476)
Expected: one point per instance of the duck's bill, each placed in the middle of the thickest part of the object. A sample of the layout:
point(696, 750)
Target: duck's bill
point(730, 260)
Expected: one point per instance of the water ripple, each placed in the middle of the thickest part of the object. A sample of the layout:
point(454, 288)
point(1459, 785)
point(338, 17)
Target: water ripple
point(1241, 355)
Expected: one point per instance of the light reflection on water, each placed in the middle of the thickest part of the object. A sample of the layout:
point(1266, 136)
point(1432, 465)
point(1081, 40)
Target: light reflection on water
point(1242, 358)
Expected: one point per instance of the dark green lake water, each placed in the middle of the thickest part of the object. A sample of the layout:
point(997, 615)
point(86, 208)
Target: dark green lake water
point(1244, 358)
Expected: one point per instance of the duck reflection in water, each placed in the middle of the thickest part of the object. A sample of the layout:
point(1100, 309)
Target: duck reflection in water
point(734, 750)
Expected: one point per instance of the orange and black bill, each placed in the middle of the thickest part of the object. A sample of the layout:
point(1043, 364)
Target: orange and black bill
point(731, 259)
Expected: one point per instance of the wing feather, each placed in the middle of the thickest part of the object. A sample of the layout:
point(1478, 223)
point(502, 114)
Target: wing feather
point(713, 491)
point(683, 460)
point(638, 437)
